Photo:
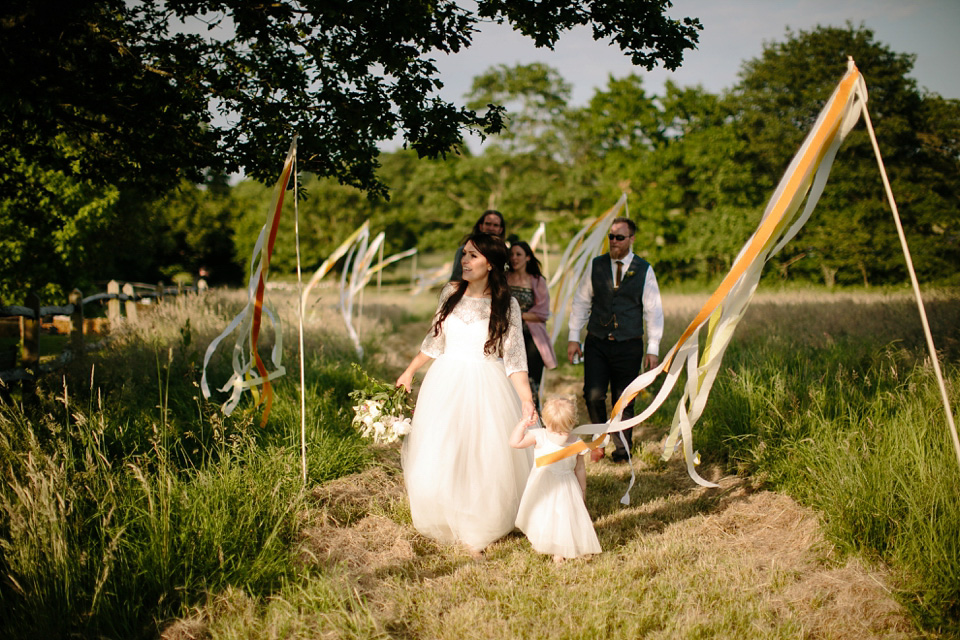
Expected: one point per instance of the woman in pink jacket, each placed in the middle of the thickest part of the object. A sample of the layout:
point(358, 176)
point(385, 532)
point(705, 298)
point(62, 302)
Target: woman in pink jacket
point(529, 287)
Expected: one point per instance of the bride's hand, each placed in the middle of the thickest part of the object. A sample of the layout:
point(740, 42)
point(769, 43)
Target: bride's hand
point(529, 411)
point(405, 380)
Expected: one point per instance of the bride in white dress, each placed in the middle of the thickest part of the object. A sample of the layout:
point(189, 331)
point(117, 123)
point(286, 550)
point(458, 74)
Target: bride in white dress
point(463, 479)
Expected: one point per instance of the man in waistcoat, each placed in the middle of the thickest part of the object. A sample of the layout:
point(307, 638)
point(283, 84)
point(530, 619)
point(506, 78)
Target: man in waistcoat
point(616, 298)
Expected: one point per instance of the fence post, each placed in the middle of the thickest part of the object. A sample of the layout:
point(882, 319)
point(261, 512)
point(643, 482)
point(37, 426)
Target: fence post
point(113, 305)
point(30, 334)
point(76, 323)
point(160, 291)
point(130, 305)
point(30, 346)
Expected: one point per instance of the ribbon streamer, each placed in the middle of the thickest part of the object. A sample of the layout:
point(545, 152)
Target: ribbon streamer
point(804, 179)
point(358, 269)
point(245, 352)
point(586, 245)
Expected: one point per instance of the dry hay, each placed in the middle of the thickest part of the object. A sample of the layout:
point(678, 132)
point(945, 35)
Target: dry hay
point(376, 544)
point(375, 490)
point(349, 528)
point(186, 629)
point(775, 537)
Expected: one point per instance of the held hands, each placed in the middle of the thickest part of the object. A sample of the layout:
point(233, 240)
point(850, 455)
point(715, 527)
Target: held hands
point(573, 351)
point(520, 438)
point(529, 412)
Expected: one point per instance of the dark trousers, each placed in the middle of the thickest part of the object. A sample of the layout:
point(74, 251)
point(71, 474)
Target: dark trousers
point(613, 365)
point(534, 366)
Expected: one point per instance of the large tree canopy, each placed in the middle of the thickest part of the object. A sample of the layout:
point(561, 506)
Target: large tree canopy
point(126, 91)
point(851, 238)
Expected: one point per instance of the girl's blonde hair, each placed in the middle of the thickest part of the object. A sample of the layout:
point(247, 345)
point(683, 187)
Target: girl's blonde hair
point(559, 414)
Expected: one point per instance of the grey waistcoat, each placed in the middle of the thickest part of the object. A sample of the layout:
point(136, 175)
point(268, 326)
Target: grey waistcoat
point(617, 312)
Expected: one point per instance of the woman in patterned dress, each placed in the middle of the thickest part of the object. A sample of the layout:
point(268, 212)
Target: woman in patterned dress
point(529, 287)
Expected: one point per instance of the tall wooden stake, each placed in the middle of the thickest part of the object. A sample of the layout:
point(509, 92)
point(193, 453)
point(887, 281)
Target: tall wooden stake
point(916, 285)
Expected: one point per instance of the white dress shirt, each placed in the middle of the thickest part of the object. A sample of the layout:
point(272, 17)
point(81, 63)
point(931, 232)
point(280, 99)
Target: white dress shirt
point(652, 306)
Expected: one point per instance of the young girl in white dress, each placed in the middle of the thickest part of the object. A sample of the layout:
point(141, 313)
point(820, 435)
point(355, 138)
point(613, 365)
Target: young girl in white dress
point(463, 479)
point(552, 513)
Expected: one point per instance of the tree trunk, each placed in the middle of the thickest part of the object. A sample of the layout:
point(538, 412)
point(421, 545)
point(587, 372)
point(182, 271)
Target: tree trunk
point(829, 276)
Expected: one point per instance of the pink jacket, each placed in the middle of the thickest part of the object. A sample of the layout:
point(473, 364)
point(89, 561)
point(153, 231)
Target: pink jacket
point(538, 330)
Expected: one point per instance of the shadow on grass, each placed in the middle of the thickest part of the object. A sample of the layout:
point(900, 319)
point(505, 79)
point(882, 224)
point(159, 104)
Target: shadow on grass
point(659, 498)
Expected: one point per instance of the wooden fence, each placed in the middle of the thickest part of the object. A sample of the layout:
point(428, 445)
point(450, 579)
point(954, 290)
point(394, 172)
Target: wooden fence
point(31, 317)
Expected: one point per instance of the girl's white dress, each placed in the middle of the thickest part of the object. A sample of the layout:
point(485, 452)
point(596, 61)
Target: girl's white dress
point(463, 479)
point(552, 513)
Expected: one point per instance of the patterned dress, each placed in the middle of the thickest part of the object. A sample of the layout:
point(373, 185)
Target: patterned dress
point(525, 298)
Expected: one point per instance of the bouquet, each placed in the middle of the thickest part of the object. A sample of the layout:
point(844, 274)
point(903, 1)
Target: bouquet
point(380, 411)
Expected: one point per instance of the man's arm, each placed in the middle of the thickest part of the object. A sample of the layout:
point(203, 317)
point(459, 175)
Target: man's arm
point(652, 319)
point(579, 311)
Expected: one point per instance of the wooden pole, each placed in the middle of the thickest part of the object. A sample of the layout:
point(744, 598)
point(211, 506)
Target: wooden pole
point(30, 335)
point(30, 346)
point(130, 305)
point(413, 273)
point(916, 286)
point(76, 323)
point(113, 305)
point(379, 283)
point(303, 397)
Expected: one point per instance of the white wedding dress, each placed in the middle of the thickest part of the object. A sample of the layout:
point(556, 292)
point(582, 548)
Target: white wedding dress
point(463, 479)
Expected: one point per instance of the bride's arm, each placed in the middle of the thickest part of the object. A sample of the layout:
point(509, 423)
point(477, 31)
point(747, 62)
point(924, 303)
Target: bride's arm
point(432, 346)
point(515, 360)
point(406, 378)
point(521, 383)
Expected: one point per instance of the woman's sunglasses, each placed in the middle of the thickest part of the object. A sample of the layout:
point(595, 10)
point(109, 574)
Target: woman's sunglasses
point(617, 237)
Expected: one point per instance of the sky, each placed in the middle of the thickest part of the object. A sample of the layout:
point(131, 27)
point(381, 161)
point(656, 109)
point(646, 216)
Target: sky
point(734, 31)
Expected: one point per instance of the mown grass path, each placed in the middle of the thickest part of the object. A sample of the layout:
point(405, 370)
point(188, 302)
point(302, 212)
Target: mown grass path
point(681, 561)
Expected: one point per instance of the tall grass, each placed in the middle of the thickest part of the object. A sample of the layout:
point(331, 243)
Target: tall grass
point(128, 499)
point(853, 425)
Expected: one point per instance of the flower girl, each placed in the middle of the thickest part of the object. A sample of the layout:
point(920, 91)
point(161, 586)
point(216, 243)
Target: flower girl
point(552, 513)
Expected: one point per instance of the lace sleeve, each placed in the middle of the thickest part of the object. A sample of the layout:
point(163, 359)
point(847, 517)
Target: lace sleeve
point(514, 353)
point(432, 345)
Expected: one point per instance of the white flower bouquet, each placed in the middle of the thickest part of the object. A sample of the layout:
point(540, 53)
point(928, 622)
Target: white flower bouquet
point(380, 412)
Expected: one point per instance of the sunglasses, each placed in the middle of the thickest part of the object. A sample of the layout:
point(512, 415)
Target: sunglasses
point(617, 237)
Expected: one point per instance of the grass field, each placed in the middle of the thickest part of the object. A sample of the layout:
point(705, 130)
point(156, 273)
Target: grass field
point(133, 508)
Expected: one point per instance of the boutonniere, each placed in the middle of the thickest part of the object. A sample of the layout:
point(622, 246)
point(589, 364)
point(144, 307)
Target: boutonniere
point(629, 273)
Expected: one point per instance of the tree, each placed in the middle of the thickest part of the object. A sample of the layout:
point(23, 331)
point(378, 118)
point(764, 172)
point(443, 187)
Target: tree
point(120, 90)
point(140, 95)
point(534, 95)
point(44, 235)
point(851, 239)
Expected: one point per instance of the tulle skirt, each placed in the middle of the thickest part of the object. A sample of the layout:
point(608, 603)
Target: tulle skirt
point(553, 516)
point(463, 479)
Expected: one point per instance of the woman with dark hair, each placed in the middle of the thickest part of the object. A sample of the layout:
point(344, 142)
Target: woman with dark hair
point(463, 479)
point(490, 221)
point(529, 287)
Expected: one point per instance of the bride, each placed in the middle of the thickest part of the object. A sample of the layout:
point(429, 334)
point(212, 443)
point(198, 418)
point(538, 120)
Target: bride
point(463, 479)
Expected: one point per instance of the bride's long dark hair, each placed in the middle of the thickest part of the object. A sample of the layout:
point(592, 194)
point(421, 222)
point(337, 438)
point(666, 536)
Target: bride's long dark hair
point(495, 251)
